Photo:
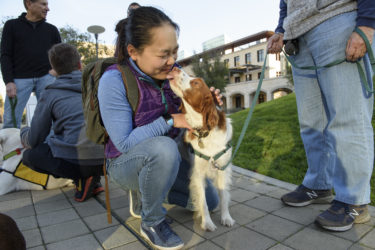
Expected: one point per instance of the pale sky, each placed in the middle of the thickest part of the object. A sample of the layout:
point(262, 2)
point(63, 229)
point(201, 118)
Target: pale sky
point(199, 20)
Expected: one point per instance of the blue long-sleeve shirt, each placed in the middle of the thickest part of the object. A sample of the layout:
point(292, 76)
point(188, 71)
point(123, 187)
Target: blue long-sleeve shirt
point(366, 14)
point(117, 114)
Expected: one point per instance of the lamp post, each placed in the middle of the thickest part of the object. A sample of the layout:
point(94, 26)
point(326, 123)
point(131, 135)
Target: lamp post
point(96, 30)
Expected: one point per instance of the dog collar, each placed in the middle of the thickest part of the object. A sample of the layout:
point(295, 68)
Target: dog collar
point(17, 151)
point(214, 158)
point(201, 134)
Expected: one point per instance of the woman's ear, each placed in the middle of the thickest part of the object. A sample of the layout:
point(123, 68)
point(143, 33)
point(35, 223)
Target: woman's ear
point(132, 52)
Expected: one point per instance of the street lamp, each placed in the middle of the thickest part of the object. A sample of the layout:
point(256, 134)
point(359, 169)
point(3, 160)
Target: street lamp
point(96, 30)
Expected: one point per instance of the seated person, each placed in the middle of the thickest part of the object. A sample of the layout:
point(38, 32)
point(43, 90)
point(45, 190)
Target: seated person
point(65, 151)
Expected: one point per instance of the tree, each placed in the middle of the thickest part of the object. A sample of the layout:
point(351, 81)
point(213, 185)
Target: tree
point(84, 44)
point(211, 69)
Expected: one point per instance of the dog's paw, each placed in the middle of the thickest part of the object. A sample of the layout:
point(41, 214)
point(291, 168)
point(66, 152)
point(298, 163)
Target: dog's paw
point(227, 221)
point(208, 226)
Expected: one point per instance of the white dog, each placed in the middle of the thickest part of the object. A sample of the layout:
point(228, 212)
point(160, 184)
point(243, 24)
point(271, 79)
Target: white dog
point(10, 141)
point(211, 142)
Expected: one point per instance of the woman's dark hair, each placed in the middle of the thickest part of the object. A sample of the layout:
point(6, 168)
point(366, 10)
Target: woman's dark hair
point(132, 7)
point(136, 29)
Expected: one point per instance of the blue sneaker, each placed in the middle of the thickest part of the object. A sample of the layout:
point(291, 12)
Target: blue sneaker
point(135, 204)
point(341, 216)
point(304, 196)
point(161, 236)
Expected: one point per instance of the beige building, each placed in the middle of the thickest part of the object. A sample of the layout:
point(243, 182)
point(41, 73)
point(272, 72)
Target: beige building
point(245, 58)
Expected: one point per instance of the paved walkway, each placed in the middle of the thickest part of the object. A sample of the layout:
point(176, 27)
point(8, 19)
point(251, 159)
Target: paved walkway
point(53, 220)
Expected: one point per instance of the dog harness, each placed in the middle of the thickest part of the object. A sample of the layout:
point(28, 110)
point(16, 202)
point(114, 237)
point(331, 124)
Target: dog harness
point(25, 173)
point(213, 159)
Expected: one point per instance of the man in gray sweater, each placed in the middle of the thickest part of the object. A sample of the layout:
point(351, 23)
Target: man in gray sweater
point(66, 152)
point(334, 109)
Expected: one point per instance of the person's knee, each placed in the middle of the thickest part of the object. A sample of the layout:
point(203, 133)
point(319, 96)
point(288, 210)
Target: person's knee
point(166, 154)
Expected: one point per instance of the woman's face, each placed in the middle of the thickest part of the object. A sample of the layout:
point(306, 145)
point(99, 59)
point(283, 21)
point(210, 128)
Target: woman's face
point(157, 58)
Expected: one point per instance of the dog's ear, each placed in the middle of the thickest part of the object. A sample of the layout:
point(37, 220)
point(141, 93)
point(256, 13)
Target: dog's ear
point(210, 114)
point(182, 108)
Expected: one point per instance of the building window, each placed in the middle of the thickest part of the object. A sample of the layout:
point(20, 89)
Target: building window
point(277, 56)
point(237, 79)
point(259, 75)
point(236, 61)
point(247, 58)
point(260, 55)
point(278, 73)
point(249, 77)
point(226, 63)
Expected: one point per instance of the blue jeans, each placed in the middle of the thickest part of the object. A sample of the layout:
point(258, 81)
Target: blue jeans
point(24, 88)
point(335, 113)
point(156, 168)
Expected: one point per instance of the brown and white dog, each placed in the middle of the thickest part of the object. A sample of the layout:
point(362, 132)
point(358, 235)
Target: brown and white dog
point(10, 141)
point(210, 140)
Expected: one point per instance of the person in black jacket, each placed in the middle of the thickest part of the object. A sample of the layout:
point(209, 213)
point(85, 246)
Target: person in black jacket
point(24, 60)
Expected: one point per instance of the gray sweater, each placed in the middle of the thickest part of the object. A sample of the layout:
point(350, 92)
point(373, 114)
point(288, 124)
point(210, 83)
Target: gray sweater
point(303, 15)
point(60, 107)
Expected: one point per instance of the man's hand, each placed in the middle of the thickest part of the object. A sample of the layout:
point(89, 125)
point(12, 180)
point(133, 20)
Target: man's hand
point(275, 43)
point(217, 95)
point(11, 89)
point(356, 47)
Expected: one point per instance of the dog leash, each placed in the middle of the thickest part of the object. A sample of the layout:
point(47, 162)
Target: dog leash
point(361, 72)
point(13, 104)
point(244, 127)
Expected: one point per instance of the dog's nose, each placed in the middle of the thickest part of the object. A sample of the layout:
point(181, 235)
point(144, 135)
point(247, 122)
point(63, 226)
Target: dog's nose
point(176, 69)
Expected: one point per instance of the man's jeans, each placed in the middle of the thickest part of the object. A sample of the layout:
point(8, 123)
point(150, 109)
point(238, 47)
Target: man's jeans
point(24, 88)
point(155, 168)
point(335, 113)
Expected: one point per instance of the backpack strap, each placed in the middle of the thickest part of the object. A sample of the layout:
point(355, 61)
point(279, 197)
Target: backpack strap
point(131, 86)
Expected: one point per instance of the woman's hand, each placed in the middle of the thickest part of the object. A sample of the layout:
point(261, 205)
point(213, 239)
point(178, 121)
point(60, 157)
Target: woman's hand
point(179, 121)
point(217, 95)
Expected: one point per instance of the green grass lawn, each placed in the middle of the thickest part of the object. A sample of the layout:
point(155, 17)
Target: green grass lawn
point(272, 144)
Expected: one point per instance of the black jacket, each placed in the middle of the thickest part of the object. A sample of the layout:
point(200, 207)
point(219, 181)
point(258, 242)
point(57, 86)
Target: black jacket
point(24, 48)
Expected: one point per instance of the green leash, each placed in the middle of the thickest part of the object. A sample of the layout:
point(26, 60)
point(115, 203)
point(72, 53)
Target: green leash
point(372, 62)
point(361, 72)
point(336, 62)
point(13, 104)
point(244, 127)
point(250, 114)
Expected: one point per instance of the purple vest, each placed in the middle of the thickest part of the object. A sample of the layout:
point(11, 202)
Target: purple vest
point(153, 102)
